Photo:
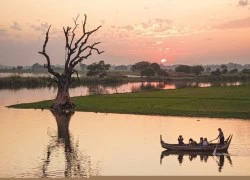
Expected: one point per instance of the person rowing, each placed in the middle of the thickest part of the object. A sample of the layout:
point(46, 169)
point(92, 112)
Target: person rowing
point(220, 137)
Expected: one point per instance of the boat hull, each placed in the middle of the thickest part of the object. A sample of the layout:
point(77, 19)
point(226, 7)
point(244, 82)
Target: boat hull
point(199, 148)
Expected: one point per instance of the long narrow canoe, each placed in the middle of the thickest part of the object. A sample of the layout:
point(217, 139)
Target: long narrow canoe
point(208, 148)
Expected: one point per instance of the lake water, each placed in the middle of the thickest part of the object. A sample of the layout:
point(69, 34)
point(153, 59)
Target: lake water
point(25, 74)
point(36, 143)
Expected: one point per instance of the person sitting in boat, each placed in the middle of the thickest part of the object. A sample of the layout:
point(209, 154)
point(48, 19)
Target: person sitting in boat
point(205, 142)
point(201, 141)
point(221, 136)
point(180, 140)
point(192, 142)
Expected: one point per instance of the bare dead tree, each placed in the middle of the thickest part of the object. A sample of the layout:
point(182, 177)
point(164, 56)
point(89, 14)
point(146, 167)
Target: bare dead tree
point(77, 50)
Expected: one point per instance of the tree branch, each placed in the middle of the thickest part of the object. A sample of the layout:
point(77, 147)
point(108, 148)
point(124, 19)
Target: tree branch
point(67, 46)
point(75, 71)
point(79, 48)
point(84, 24)
point(73, 31)
point(43, 52)
point(84, 49)
point(79, 58)
point(72, 50)
point(87, 34)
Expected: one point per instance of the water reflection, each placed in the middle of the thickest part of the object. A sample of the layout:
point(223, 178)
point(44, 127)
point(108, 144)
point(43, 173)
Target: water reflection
point(77, 164)
point(219, 158)
point(145, 86)
point(104, 89)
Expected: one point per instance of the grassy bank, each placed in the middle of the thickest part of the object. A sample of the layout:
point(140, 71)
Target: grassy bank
point(224, 102)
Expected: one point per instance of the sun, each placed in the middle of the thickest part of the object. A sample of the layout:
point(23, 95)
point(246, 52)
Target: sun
point(163, 60)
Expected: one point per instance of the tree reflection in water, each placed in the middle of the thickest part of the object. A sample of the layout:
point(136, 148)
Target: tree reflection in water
point(76, 164)
point(219, 157)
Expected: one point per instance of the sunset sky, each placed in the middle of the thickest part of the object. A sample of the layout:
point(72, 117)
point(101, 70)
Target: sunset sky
point(180, 31)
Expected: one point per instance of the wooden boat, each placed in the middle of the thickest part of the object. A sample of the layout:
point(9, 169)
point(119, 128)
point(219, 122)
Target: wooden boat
point(209, 148)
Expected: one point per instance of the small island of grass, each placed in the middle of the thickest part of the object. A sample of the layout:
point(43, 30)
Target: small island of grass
point(222, 102)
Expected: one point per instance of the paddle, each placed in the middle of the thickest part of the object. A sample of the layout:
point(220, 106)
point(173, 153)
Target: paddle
point(212, 140)
point(215, 149)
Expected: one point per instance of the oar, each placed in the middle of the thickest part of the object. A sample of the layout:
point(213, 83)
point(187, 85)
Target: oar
point(212, 140)
point(215, 149)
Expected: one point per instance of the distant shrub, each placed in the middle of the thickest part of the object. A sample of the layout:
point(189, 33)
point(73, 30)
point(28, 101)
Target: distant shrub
point(246, 71)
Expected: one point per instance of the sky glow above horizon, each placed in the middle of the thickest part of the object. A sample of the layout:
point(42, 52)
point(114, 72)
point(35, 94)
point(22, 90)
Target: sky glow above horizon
point(181, 32)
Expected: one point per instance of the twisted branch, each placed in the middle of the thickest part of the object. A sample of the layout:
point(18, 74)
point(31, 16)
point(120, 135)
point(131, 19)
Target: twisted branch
point(74, 47)
point(79, 46)
point(81, 58)
point(76, 72)
point(43, 52)
point(73, 31)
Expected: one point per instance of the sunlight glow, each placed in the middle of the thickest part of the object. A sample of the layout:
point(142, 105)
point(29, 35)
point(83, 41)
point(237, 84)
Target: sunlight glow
point(163, 60)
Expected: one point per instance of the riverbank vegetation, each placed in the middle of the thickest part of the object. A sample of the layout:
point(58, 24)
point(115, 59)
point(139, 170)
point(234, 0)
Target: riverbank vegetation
point(222, 102)
point(18, 82)
point(106, 74)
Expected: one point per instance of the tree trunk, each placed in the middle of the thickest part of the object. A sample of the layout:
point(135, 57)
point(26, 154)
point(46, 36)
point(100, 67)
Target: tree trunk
point(62, 100)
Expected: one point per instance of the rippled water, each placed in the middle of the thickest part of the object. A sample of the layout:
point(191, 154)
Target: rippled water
point(36, 143)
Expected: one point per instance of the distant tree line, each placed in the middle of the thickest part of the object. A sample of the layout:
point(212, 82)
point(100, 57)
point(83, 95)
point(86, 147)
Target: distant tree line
point(190, 69)
point(224, 70)
point(149, 69)
point(98, 69)
point(197, 70)
point(143, 68)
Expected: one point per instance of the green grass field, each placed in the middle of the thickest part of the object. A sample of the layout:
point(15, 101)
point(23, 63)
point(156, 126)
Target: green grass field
point(224, 102)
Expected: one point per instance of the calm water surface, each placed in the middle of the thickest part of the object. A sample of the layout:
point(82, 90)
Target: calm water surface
point(24, 74)
point(36, 143)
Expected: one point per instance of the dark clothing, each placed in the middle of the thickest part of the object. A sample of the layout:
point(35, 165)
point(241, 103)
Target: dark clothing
point(194, 143)
point(222, 140)
point(221, 137)
point(201, 142)
point(180, 141)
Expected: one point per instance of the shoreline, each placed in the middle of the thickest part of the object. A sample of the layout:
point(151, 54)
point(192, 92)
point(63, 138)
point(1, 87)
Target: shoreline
point(19, 82)
point(211, 102)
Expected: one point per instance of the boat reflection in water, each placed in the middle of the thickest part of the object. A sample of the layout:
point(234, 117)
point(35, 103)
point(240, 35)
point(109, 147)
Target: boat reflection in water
point(76, 164)
point(218, 157)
